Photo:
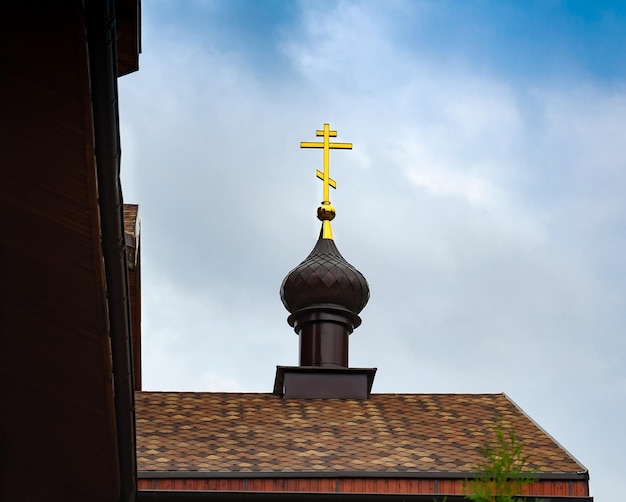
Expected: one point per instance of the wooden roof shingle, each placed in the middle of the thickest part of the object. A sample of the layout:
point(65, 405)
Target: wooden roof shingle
point(249, 432)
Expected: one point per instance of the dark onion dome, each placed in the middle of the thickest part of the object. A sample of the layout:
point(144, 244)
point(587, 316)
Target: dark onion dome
point(324, 278)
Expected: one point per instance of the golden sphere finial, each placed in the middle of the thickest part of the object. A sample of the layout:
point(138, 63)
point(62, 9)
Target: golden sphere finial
point(326, 211)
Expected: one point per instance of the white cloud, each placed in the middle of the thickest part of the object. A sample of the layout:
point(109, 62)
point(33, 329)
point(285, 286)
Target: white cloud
point(440, 181)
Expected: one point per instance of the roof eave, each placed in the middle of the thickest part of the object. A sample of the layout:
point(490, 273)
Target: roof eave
point(101, 33)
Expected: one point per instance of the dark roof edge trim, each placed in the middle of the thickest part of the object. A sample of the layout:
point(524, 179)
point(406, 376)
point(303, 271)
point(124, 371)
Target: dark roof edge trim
point(338, 474)
point(531, 419)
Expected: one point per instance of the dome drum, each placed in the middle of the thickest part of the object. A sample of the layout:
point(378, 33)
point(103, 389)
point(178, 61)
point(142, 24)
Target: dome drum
point(324, 331)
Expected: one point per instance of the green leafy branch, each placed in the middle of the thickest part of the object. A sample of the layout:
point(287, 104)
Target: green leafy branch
point(503, 473)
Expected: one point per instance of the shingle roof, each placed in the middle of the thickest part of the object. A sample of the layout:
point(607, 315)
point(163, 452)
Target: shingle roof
point(246, 432)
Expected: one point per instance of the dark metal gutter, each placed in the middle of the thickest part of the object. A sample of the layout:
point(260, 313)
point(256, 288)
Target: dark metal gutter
point(101, 37)
point(340, 474)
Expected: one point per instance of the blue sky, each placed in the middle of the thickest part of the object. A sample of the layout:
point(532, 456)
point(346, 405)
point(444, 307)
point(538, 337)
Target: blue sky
point(524, 40)
point(483, 199)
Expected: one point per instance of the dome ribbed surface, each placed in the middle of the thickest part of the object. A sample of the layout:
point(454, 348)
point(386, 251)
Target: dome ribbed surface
point(325, 277)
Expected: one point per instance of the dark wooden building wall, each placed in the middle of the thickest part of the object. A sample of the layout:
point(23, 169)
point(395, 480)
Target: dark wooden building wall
point(57, 425)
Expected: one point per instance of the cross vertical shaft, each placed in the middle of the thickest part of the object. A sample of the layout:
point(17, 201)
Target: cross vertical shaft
point(326, 145)
point(326, 179)
point(326, 212)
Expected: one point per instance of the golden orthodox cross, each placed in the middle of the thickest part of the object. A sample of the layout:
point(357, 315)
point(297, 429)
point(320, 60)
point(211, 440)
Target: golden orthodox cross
point(327, 146)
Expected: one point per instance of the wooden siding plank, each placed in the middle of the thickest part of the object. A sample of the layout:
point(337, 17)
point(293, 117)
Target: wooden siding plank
point(543, 487)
